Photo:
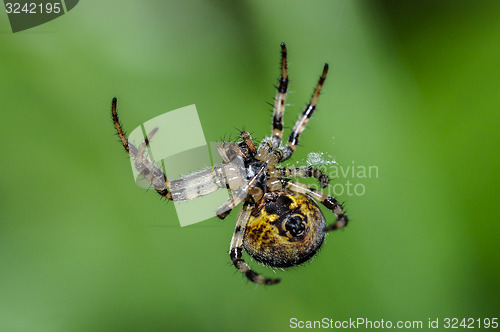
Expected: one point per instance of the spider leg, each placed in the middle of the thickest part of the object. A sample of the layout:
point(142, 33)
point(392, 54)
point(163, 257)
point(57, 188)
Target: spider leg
point(301, 123)
point(140, 158)
point(279, 101)
point(143, 164)
point(120, 131)
point(239, 194)
point(191, 186)
point(198, 184)
point(248, 142)
point(229, 151)
point(306, 172)
point(329, 202)
point(235, 251)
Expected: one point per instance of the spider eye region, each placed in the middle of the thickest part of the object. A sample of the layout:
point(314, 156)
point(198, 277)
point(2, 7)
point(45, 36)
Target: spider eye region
point(285, 229)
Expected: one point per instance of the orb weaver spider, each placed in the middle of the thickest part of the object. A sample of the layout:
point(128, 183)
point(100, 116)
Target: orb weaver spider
point(279, 225)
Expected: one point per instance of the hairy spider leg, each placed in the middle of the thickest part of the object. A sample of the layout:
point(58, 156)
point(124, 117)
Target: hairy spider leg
point(329, 202)
point(239, 194)
point(198, 184)
point(229, 151)
point(301, 123)
point(143, 164)
point(140, 155)
point(279, 101)
point(235, 251)
point(248, 141)
point(306, 172)
point(119, 128)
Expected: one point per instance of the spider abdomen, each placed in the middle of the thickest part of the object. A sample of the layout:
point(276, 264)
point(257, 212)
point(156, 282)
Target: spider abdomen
point(285, 229)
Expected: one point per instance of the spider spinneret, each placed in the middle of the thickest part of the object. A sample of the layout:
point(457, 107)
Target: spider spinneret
point(280, 224)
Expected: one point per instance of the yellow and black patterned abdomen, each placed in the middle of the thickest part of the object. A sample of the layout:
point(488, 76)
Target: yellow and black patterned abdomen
point(285, 229)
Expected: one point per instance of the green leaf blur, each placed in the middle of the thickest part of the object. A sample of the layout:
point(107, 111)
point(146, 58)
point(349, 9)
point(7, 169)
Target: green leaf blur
point(413, 89)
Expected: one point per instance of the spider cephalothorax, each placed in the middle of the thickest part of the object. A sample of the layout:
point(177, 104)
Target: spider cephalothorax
point(280, 224)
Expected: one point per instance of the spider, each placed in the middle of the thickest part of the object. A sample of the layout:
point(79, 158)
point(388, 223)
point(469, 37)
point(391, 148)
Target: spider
point(280, 224)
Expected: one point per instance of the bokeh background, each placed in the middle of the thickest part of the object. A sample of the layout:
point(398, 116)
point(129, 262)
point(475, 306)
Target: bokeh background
point(413, 89)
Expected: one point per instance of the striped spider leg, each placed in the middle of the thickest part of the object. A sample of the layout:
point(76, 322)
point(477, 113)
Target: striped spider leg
point(143, 164)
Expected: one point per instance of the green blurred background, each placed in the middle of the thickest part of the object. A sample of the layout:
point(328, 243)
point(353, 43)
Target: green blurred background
point(413, 89)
